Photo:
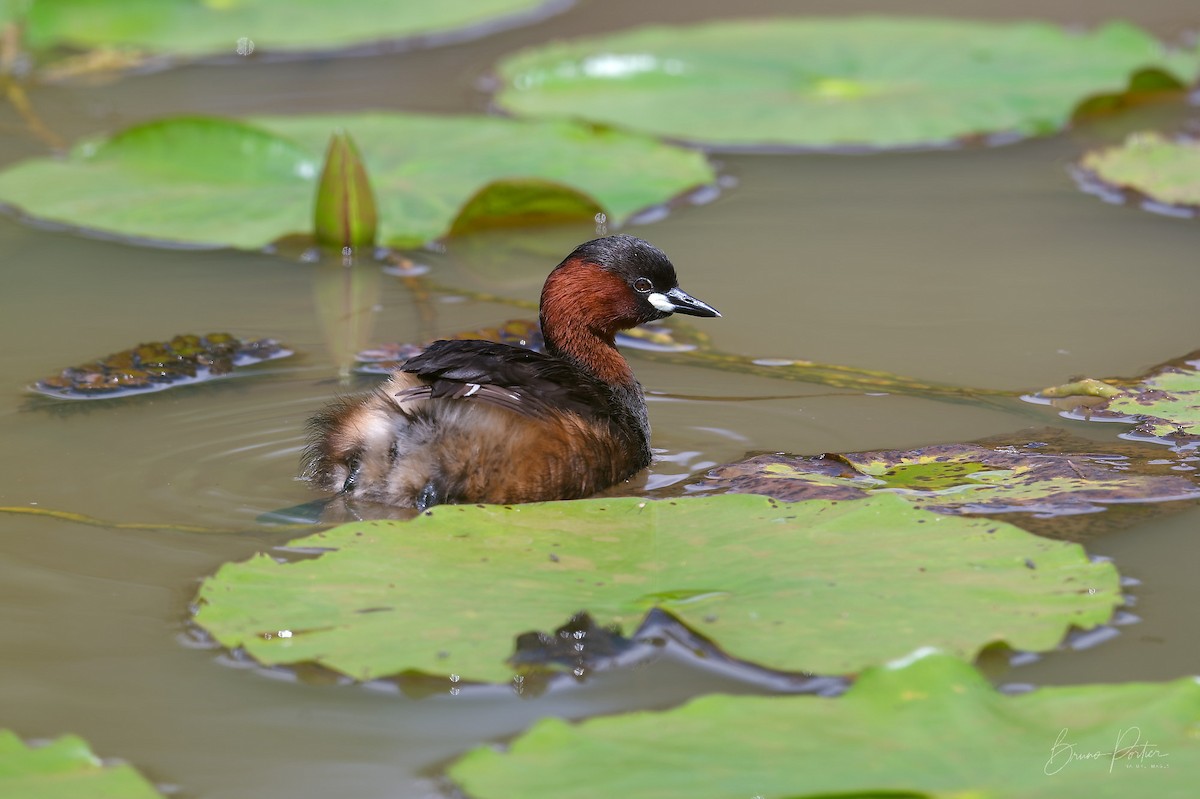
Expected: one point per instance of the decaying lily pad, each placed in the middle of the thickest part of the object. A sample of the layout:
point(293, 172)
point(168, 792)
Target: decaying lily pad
point(1161, 174)
point(266, 27)
point(160, 365)
point(858, 82)
point(211, 182)
point(65, 768)
point(929, 726)
point(956, 479)
point(1163, 406)
point(816, 587)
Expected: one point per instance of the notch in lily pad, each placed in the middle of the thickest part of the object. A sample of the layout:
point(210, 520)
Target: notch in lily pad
point(345, 214)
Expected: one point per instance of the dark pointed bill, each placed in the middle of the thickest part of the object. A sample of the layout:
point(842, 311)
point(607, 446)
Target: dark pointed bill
point(679, 301)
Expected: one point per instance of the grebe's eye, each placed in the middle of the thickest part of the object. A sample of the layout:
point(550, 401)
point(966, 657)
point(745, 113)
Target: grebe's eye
point(643, 284)
point(355, 467)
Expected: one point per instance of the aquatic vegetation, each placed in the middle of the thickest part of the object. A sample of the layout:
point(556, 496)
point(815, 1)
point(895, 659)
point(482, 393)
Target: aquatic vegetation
point(1163, 405)
point(928, 725)
point(179, 28)
point(65, 768)
point(957, 479)
point(184, 360)
point(210, 182)
point(345, 212)
point(822, 587)
point(834, 83)
point(1159, 173)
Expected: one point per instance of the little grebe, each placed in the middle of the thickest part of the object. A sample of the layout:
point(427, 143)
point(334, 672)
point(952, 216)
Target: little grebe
point(475, 421)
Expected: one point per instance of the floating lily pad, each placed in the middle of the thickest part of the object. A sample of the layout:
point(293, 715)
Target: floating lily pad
point(160, 365)
point(219, 182)
point(1164, 174)
point(865, 82)
point(214, 27)
point(931, 726)
point(1163, 406)
point(65, 768)
point(811, 586)
point(956, 478)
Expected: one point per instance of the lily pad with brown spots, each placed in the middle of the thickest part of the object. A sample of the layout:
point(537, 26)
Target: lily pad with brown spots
point(160, 365)
point(956, 479)
point(1163, 405)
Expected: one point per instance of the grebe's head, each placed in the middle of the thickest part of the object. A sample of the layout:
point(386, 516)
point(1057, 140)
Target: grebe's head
point(615, 283)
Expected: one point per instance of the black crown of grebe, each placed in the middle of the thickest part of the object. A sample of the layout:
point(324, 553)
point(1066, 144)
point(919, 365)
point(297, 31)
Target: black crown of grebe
point(475, 421)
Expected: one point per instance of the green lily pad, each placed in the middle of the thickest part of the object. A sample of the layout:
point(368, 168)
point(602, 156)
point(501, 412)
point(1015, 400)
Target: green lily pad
point(956, 478)
point(1148, 166)
point(65, 769)
point(832, 83)
point(218, 182)
point(931, 726)
point(214, 27)
point(1164, 405)
point(810, 586)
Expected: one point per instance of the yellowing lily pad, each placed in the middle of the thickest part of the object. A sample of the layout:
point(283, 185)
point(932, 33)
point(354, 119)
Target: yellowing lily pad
point(215, 27)
point(65, 768)
point(1163, 406)
point(811, 586)
point(956, 478)
point(858, 82)
point(928, 726)
point(219, 182)
point(1163, 173)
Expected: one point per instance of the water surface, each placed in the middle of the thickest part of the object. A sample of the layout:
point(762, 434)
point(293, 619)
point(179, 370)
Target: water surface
point(978, 267)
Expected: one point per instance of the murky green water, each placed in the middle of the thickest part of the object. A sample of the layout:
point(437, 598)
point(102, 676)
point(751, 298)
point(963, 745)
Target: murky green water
point(983, 268)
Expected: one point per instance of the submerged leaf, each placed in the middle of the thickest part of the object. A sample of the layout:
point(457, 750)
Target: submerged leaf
point(929, 726)
point(1165, 171)
point(65, 768)
point(1164, 405)
point(863, 82)
point(811, 586)
point(218, 182)
point(345, 214)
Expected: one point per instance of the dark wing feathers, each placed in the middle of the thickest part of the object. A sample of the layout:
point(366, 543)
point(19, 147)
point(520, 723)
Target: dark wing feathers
point(515, 378)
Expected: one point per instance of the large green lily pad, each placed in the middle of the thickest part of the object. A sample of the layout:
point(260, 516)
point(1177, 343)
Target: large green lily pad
point(833, 83)
point(211, 27)
point(809, 586)
point(931, 727)
point(216, 182)
point(1165, 171)
point(1164, 406)
point(956, 478)
point(65, 769)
